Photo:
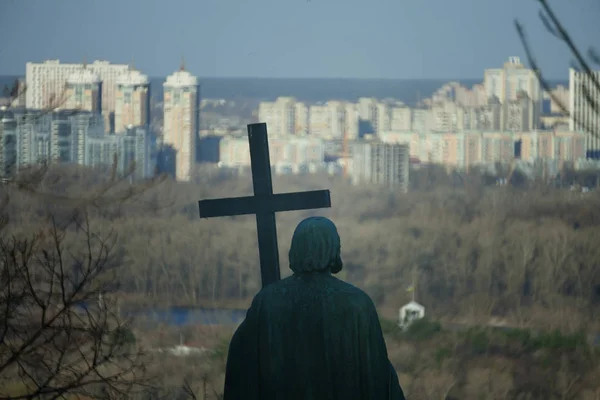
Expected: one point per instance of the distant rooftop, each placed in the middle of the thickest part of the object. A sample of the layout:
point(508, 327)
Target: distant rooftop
point(83, 76)
point(181, 78)
point(132, 77)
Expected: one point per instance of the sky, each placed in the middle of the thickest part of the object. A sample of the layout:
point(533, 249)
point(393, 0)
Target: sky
point(401, 39)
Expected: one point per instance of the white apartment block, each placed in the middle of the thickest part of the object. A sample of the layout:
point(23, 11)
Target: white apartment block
point(288, 154)
point(279, 116)
point(319, 117)
point(422, 119)
point(333, 120)
point(46, 81)
point(367, 108)
point(302, 119)
point(584, 117)
point(382, 117)
point(401, 119)
point(181, 120)
point(447, 116)
point(463, 149)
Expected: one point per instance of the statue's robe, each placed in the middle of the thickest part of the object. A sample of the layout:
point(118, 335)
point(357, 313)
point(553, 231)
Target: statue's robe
point(311, 337)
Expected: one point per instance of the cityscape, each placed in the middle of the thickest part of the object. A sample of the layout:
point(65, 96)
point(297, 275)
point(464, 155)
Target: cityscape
point(100, 114)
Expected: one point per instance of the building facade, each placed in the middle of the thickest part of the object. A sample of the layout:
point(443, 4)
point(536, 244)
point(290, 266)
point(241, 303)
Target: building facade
point(132, 151)
point(46, 81)
point(83, 92)
point(507, 83)
point(132, 101)
point(584, 115)
point(288, 155)
point(182, 120)
point(381, 163)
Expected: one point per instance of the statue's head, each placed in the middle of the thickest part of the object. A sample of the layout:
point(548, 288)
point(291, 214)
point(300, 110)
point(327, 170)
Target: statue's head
point(315, 247)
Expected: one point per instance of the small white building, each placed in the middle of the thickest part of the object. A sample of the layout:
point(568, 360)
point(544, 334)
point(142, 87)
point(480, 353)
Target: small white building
point(409, 313)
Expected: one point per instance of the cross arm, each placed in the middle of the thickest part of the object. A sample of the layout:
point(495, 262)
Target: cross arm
point(269, 203)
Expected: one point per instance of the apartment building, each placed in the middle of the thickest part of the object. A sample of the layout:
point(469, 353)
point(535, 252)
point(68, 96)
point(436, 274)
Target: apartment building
point(288, 154)
point(584, 116)
point(280, 116)
point(182, 120)
point(508, 82)
point(131, 148)
point(468, 148)
point(380, 163)
point(83, 91)
point(132, 101)
point(46, 82)
point(69, 133)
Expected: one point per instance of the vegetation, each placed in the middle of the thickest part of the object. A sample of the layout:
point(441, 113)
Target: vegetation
point(523, 259)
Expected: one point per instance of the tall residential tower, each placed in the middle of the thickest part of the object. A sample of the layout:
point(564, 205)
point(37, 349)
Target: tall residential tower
point(181, 120)
point(83, 91)
point(132, 101)
point(584, 115)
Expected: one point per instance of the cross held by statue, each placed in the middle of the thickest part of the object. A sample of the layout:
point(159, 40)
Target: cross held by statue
point(264, 203)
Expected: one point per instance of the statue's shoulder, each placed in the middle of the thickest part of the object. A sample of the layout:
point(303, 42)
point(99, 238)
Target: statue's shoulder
point(352, 294)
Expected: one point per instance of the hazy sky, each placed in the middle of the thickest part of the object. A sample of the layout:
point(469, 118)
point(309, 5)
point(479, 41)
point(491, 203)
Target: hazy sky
point(291, 38)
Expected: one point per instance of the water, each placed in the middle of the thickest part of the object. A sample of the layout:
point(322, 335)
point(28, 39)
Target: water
point(183, 316)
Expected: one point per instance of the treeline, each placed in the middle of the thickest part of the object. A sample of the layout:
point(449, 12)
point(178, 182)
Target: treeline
point(527, 256)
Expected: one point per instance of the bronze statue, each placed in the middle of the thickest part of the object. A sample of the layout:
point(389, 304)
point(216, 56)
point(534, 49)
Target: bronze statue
point(311, 335)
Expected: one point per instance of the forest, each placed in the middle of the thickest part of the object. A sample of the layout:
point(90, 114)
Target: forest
point(524, 257)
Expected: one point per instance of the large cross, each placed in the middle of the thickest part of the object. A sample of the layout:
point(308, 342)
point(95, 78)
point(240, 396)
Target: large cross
point(264, 203)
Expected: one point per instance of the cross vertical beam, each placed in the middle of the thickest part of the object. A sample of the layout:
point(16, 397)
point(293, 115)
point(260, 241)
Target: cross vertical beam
point(264, 203)
point(265, 219)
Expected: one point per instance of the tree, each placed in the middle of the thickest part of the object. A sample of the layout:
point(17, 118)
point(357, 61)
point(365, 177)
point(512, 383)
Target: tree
point(60, 330)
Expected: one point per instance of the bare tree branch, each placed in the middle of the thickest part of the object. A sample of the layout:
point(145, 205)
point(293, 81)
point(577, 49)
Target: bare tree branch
point(554, 26)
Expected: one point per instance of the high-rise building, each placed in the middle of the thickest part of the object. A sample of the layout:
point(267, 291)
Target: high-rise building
point(302, 119)
point(319, 117)
point(381, 163)
point(422, 119)
point(508, 82)
point(132, 150)
point(181, 120)
point(352, 121)
point(25, 139)
point(280, 116)
point(519, 114)
point(584, 114)
point(132, 101)
point(447, 116)
point(83, 91)
point(401, 119)
point(288, 154)
point(46, 81)
point(8, 144)
point(69, 133)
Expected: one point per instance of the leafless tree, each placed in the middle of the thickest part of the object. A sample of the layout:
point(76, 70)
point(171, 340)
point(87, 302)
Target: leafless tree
point(581, 63)
point(60, 330)
point(59, 333)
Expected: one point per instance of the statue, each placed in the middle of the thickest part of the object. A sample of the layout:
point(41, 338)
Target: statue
point(311, 335)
